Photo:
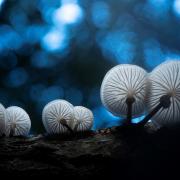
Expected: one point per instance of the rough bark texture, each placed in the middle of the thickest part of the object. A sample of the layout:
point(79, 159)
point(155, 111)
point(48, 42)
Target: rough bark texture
point(119, 152)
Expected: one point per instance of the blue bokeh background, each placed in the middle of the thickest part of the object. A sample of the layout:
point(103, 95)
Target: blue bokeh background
point(62, 48)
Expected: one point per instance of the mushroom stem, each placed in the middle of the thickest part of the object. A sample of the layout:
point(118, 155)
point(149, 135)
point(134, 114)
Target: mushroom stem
point(129, 102)
point(64, 123)
point(11, 133)
point(12, 129)
point(164, 102)
point(76, 126)
point(70, 130)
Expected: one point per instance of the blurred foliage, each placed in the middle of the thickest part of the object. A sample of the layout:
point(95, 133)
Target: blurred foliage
point(62, 48)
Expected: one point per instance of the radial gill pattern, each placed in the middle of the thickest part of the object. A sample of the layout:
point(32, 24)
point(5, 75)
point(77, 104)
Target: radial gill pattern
point(44, 120)
point(2, 119)
point(122, 82)
point(165, 80)
point(83, 119)
point(55, 115)
point(18, 122)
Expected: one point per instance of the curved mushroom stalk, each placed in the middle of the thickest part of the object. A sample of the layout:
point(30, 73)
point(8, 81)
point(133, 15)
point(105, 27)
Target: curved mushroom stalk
point(65, 124)
point(164, 96)
point(123, 91)
point(164, 103)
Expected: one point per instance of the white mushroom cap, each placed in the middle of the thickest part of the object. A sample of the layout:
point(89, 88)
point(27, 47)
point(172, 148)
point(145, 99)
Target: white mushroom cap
point(83, 119)
point(122, 82)
point(18, 122)
point(54, 113)
point(3, 118)
point(165, 80)
point(48, 105)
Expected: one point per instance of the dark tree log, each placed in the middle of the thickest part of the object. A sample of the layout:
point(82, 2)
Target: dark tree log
point(109, 153)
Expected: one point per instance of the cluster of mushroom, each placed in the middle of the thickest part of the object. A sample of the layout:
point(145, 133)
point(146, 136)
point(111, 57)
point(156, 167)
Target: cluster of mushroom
point(60, 117)
point(14, 121)
point(129, 91)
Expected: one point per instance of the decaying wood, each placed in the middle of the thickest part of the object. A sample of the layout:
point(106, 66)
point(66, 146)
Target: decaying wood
point(108, 153)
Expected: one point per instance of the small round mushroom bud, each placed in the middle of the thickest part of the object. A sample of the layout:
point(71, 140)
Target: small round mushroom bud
point(123, 91)
point(57, 117)
point(2, 119)
point(83, 119)
point(18, 122)
point(164, 97)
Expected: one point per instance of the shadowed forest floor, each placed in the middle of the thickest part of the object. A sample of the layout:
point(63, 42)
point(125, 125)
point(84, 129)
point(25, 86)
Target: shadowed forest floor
point(113, 153)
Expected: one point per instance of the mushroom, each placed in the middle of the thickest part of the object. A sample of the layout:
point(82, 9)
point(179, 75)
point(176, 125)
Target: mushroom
point(57, 117)
point(123, 91)
point(2, 119)
point(50, 103)
point(164, 97)
point(83, 119)
point(18, 122)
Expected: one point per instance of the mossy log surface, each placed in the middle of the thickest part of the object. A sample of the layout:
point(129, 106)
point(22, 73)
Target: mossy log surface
point(109, 153)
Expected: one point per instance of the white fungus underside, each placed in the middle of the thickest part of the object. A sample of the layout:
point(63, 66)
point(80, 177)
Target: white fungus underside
point(84, 118)
point(117, 83)
point(47, 106)
point(164, 79)
point(2, 119)
point(55, 110)
point(17, 116)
